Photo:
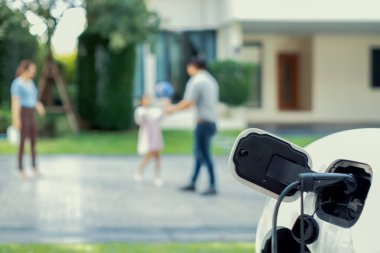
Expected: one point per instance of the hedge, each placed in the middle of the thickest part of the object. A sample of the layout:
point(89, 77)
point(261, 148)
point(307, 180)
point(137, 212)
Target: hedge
point(16, 43)
point(235, 80)
point(105, 84)
point(5, 120)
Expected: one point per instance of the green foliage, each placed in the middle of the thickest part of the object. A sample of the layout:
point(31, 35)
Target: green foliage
point(41, 55)
point(105, 81)
point(235, 80)
point(67, 62)
point(121, 23)
point(47, 125)
point(16, 43)
point(5, 120)
point(87, 77)
point(49, 11)
point(106, 61)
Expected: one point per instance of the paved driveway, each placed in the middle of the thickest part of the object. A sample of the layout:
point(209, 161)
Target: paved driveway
point(94, 199)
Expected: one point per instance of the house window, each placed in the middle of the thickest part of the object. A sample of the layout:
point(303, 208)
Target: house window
point(173, 49)
point(375, 67)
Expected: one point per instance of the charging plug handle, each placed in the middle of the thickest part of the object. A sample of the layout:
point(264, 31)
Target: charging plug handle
point(316, 182)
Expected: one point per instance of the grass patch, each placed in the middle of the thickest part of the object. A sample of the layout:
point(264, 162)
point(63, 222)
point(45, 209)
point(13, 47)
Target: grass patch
point(124, 143)
point(130, 248)
point(302, 141)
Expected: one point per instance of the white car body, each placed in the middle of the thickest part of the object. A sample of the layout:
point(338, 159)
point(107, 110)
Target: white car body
point(361, 145)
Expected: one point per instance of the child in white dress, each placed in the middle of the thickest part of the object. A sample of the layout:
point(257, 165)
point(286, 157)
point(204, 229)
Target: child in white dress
point(150, 140)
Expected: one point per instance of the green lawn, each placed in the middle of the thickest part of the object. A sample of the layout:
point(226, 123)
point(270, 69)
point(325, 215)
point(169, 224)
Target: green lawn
point(94, 143)
point(131, 248)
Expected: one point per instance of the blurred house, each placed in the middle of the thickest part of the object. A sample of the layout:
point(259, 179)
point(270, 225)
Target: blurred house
point(317, 61)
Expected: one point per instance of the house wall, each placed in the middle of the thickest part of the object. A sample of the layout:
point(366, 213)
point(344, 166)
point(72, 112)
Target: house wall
point(321, 10)
point(338, 67)
point(342, 89)
point(229, 41)
point(188, 15)
point(272, 45)
point(206, 14)
point(334, 80)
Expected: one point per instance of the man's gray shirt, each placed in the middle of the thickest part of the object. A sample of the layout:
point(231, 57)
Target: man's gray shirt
point(203, 90)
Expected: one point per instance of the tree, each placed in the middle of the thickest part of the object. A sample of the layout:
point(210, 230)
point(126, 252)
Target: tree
point(121, 22)
point(50, 12)
point(106, 60)
point(16, 43)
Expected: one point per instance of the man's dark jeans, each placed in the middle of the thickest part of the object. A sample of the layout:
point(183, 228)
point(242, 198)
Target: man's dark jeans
point(203, 135)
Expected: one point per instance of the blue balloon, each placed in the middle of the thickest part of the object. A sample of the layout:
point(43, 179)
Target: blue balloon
point(164, 90)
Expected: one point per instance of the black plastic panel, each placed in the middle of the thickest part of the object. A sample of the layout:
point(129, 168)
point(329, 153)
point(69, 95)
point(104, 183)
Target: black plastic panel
point(269, 162)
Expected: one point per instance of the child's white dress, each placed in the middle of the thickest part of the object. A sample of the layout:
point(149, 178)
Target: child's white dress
point(150, 134)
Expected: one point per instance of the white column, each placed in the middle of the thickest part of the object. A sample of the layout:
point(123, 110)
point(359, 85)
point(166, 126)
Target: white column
point(230, 41)
point(149, 70)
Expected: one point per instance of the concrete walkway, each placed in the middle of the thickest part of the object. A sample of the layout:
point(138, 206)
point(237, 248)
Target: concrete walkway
point(94, 199)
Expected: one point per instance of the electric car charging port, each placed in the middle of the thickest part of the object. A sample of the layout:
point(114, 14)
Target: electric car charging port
point(286, 242)
point(339, 208)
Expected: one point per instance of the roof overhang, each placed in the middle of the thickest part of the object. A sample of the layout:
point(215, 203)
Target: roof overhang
point(310, 27)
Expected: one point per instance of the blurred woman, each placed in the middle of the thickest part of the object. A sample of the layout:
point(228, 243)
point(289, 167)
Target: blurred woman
point(24, 104)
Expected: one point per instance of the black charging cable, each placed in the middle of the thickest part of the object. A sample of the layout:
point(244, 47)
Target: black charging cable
point(286, 191)
point(310, 182)
point(302, 223)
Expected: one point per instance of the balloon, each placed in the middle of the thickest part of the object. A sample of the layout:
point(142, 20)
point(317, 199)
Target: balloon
point(164, 90)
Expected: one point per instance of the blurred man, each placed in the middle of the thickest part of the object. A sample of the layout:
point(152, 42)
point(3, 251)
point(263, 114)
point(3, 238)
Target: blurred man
point(202, 91)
